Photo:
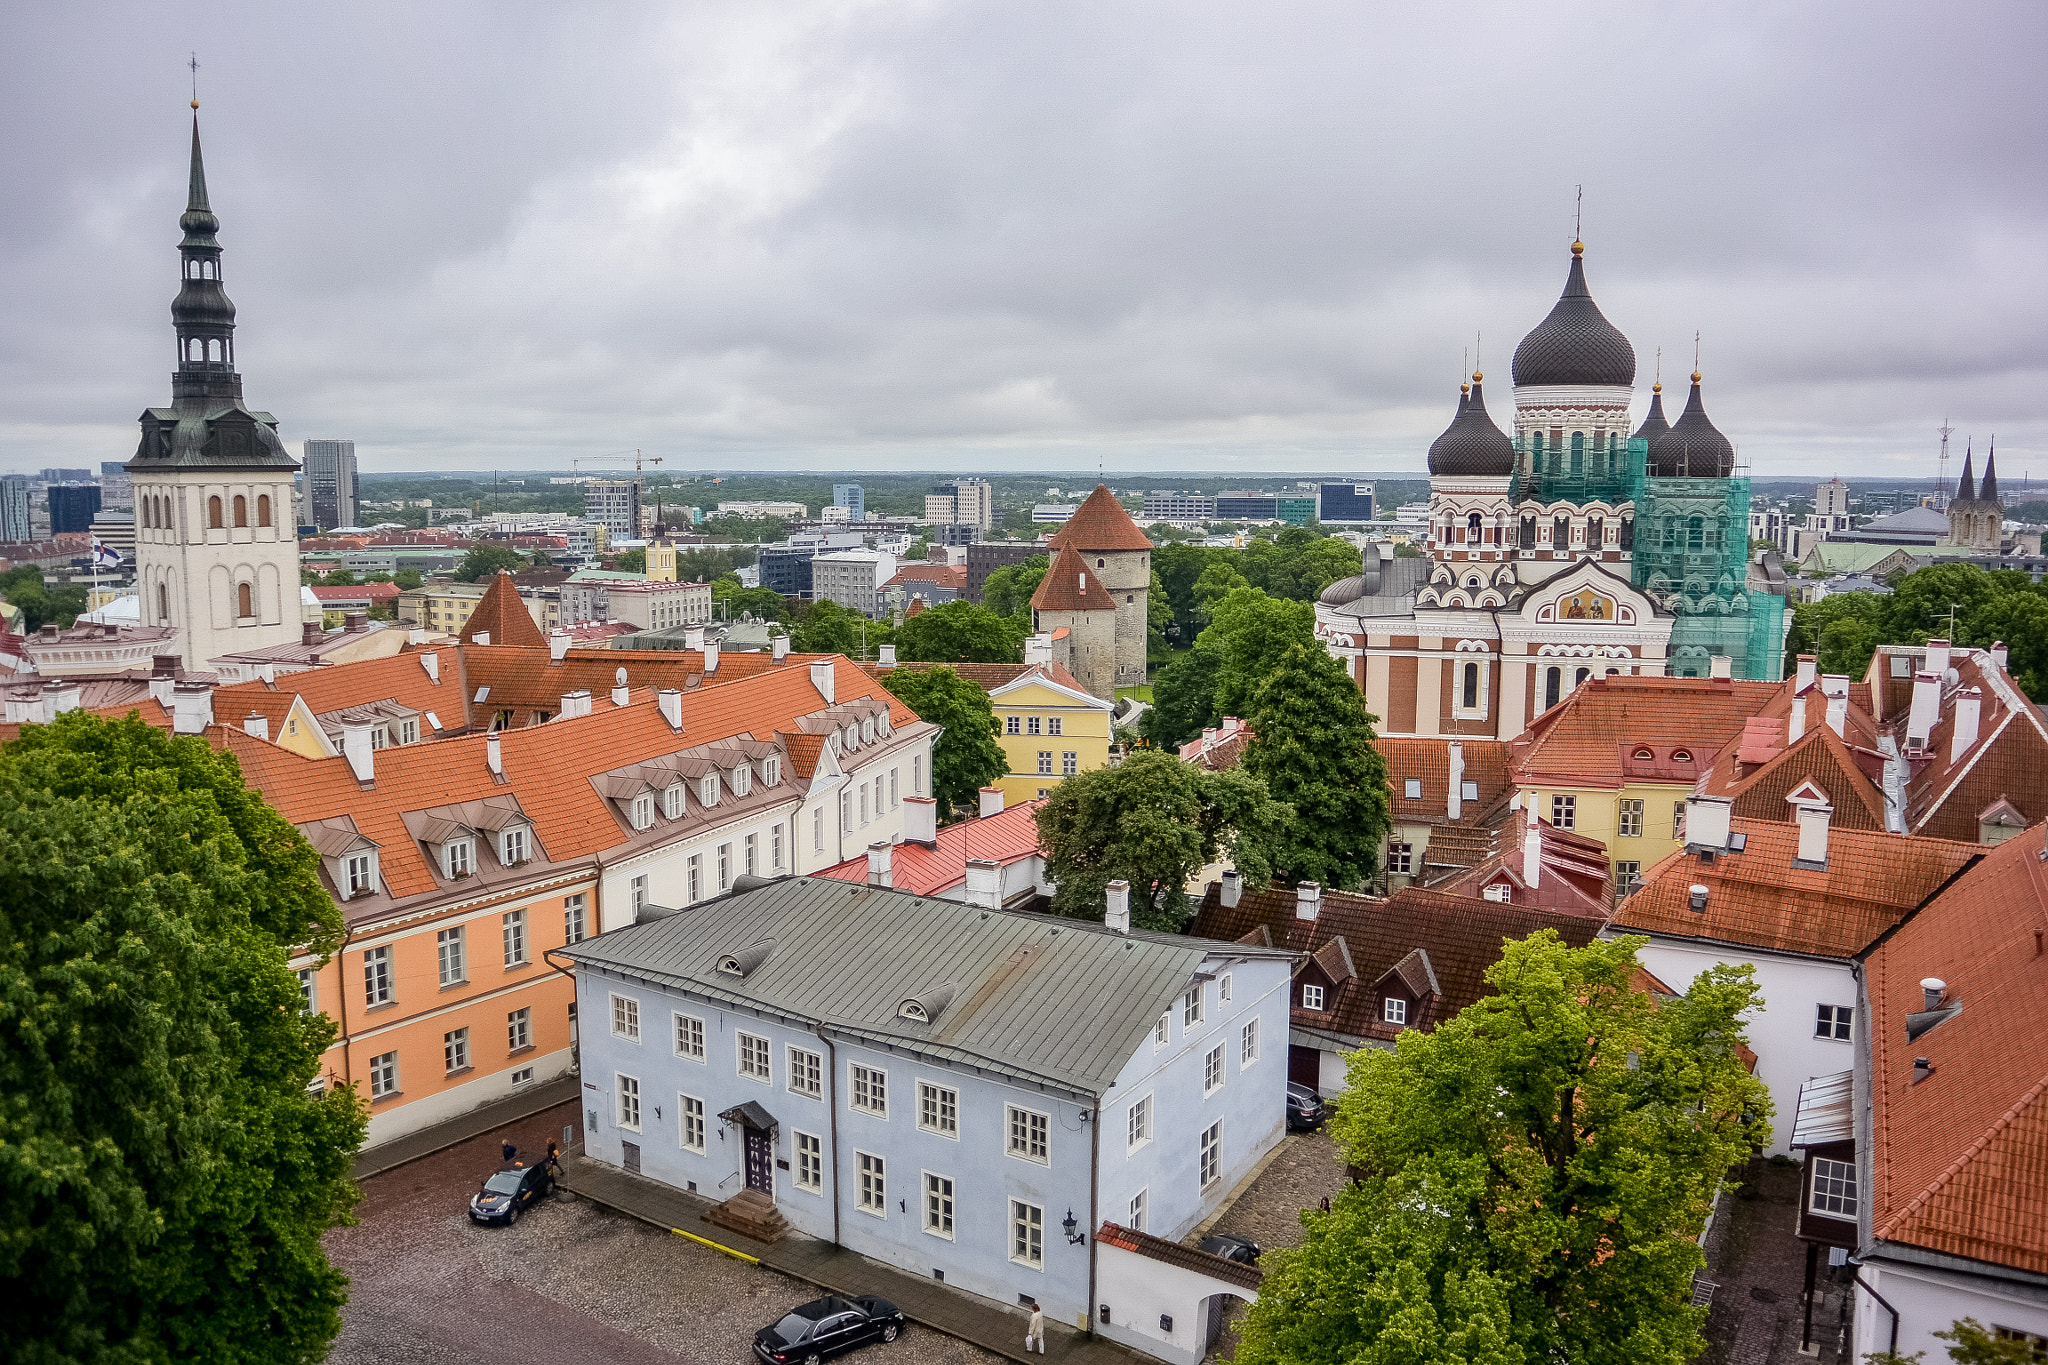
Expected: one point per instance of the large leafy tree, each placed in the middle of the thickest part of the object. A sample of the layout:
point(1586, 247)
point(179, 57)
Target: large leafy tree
point(825, 627)
point(1007, 591)
point(1154, 822)
point(1183, 696)
point(1254, 631)
point(967, 757)
point(487, 558)
point(961, 632)
point(165, 1177)
point(1312, 745)
point(1535, 1173)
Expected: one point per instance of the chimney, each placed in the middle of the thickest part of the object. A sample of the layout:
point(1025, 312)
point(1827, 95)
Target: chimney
point(821, 678)
point(1532, 850)
point(355, 747)
point(59, 697)
point(1720, 666)
point(621, 694)
point(1925, 711)
point(1969, 709)
point(268, 672)
point(1116, 915)
point(921, 821)
point(1838, 714)
point(710, 656)
point(670, 700)
point(431, 661)
point(575, 704)
point(1795, 723)
point(1931, 990)
point(778, 648)
point(888, 659)
point(1813, 835)
point(1233, 888)
point(494, 754)
point(1454, 803)
point(355, 622)
point(693, 638)
point(482, 637)
point(191, 706)
point(558, 646)
point(1806, 675)
point(165, 666)
point(1922, 1069)
point(1937, 657)
point(1038, 648)
point(415, 636)
point(1696, 897)
point(991, 801)
point(881, 858)
point(985, 883)
point(1998, 654)
point(310, 633)
point(1706, 822)
point(257, 724)
point(1308, 899)
point(161, 690)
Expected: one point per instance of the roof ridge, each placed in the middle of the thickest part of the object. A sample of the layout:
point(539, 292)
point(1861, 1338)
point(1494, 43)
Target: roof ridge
point(1977, 751)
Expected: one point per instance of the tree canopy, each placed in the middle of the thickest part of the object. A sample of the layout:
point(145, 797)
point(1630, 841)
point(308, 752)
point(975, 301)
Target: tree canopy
point(1008, 590)
point(1535, 1172)
point(486, 558)
point(967, 757)
point(41, 605)
point(1844, 629)
point(1312, 745)
point(825, 627)
point(1296, 564)
point(165, 1177)
point(961, 632)
point(1154, 822)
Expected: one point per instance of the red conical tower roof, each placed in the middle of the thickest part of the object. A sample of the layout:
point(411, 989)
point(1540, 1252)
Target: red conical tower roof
point(1101, 526)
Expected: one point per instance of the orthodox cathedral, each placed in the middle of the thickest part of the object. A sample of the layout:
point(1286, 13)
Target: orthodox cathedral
point(1575, 548)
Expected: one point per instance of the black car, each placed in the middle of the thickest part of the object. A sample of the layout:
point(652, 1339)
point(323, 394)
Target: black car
point(827, 1327)
point(1243, 1250)
point(1305, 1108)
point(509, 1192)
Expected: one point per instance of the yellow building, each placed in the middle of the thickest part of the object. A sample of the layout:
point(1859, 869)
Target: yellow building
point(661, 562)
point(1047, 723)
point(447, 607)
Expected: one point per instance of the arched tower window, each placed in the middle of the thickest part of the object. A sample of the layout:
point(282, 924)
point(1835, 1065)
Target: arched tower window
point(1561, 533)
point(241, 510)
point(1471, 701)
point(213, 512)
point(1472, 528)
point(263, 509)
point(1583, 674)
point(1695, 534)
point(1553, 682)
point(163, 605)
point(245, 600)
point(1578, 452)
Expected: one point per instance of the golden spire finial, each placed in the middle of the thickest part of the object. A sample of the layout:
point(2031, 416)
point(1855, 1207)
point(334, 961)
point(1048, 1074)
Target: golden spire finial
point(194, 64)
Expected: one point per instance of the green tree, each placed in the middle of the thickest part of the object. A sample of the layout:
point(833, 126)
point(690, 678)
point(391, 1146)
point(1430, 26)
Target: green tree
point(1158, 620)
point(765, 603)
point(486, 559)
point(342, 578)
point(1312, 745)
point(41, 605)
point(1179, 567)
point(408, 580)
point(1536, 1172)
point(1154, 822)
point(1007, 591)
point(1255, 632)
point(165, 1177)
point(1183, 697)
point(630, 561)
point(825, 627)
point(1975, 1344)
point(967, 757)
point(960, 632)
point(1217, 582)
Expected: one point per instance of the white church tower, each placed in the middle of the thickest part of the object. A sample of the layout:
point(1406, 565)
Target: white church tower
point(216, 545)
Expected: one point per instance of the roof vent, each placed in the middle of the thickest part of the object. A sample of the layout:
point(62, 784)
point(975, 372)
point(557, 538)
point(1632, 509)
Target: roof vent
point(1922, 1069)
point(926, 1006)
point(747, 958)
point(1931, 991)
point(1696, 896)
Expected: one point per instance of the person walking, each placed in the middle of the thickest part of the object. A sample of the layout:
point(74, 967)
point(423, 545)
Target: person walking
point(1034, 1331)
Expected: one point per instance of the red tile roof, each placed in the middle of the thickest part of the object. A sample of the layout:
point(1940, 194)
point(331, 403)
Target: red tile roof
point(1006, 838)
point(1186, 1258)
point(1959, 1160)
point(1070, 585)
point(1758, 899)
point(371, 592)
point(1101, 526)
point(401, 677)
point(989, 677)
point(502, 615)
point(1574, 876)
point(1593, 737)
point(1429, 762)
point(1850, 776)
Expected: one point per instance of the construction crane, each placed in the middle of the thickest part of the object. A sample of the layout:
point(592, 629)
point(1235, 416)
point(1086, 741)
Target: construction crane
point(640, 463)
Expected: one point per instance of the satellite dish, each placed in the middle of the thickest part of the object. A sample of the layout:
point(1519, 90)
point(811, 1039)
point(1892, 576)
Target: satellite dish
point(620, 677)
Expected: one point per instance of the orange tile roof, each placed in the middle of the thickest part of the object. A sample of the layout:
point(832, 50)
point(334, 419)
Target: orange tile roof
point(401, 677)
point(1070, 585)
point(1758, 899)
point(1959, 1161)
point(503, 616)
point(1574, 876)
point(1429, 762)
point(1005, 838)
point(1101, 526)
point(526, 680)
point(1849, 777)
point(1590, 738)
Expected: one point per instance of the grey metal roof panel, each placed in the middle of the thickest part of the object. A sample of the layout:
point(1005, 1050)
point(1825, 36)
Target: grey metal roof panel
point(1039, 997)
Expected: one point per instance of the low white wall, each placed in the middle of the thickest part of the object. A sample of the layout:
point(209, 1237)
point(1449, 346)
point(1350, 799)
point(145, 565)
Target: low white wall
point(1139, 1291)
point(1928, 1301)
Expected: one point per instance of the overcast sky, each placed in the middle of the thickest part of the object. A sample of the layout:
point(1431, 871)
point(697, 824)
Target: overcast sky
point(1187, 235)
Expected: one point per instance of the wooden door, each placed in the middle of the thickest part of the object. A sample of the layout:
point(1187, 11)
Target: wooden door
point(760, 1162)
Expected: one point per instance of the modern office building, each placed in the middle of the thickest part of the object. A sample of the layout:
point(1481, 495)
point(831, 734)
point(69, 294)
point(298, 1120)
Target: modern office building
point(984, 557)
point(73, 506)
point(1179, 507)
point(65, 476)
point(117, 489)
point(14, 517)
point(330, 483)
point(963, 502)
point(615, 505)
point(1344, 504)
point(853, 498)
point(853, 578)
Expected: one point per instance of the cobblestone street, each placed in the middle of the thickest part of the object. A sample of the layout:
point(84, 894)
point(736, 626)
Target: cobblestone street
point(1758, 1264)
point(1306, 1170)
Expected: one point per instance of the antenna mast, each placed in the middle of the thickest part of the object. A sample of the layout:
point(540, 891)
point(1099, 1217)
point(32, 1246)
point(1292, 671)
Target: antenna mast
point(1941, 469)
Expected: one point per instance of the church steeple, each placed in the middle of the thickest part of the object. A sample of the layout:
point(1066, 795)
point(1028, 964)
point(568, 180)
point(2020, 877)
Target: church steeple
point(1966, 491)
point(1988, 490)
point(202, 314)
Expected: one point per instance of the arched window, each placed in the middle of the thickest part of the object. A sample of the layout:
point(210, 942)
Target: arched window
point(1583, 674)
point(241, 510)
point(1561, 533)
point(1695, 533)
point(245, 600)
point(1553, 682)
point(263, 509)
point(1578, 452)
point(1471, 702)
point(163, 605)
point(1472, 528)
point(213, 512)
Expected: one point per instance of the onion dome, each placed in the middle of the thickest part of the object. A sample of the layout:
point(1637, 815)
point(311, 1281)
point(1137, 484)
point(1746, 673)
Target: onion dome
point(1576, 344)
point(1654, 425)
point(1343, 590)
point(1472, 446)
point(1693, 448)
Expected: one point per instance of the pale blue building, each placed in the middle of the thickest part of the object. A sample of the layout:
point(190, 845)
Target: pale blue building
point(934, 1084)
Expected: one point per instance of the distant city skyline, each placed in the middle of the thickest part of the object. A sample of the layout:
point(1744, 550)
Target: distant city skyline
point(959, 239)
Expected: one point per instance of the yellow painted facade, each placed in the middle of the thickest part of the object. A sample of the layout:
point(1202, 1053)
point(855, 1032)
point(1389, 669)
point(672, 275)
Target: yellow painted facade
point(661, 562)
point(1639, 824)
point(1049, 733)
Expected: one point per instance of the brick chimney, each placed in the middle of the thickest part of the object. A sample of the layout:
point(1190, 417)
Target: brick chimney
point(1937, 657)
point(1720, 666)
point(494, 754)
point(191, 706)
point(310, 633)
point(693, 638)
point(778, 648)
point(821, 678)
point(710, 657)
point(1795, 722)
point(558, 646)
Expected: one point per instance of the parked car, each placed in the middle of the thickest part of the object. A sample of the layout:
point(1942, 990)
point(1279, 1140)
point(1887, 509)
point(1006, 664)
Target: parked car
point(1305, 1108)
point(826, 1327)
point(508, 1193)
point(1243, 1250)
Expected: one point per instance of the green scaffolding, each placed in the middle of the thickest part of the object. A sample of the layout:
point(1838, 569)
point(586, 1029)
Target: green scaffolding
point(1689, 543)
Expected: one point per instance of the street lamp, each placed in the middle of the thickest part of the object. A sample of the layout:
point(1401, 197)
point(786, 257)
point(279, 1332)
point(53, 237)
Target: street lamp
point(1073, 1238)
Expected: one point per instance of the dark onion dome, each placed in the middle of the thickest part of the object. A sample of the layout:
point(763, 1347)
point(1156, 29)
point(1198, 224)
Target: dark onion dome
point(1692, 448)
point(1472, 446)
point(1654, 425)
point(1576, 344)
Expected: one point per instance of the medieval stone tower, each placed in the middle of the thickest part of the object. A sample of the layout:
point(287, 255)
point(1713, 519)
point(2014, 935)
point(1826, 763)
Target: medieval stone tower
point(1114, 550)
point(1074, 607)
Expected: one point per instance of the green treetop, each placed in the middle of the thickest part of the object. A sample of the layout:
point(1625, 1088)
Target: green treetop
point(1312, 744)
point(486, 559)
point(1008, 590)
point(967, 757)
point(960, 632)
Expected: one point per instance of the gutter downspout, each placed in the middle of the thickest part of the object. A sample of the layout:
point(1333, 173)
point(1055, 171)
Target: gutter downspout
point(832, 1122)
point(1094, 1214)
point(348, 1074)
point(1881, 1303)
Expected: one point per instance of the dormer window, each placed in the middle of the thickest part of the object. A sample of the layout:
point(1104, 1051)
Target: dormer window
point(1681, 755)
point(379, 739)
point(1643, 756)
point(742, 780)
point(771, 772)
point(707, 790)
point(409, 731)
point(643, 812)
point(672, 801)
point(867, 730)
point(514, 846)
point(359, 875)
point(1394, 1010)
point(851, 737)
point(458, 857)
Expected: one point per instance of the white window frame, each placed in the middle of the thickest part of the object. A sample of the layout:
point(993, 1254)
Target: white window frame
point(1052, 725)
point(806, 1065)
point(309, 990)
point(636, 894)
point(673, 801)
point(625, 1011)
point(1027, 1234)
point(1311, 997)
point(771, 771)
point(871, 1195)
point(741, 1052)
point(1212, 1071)
point(377, 988)
point(1411, 789)
point(513, 929)
point(686, 1036)
point(1838, 1021)
point(775, 847)
point(936, 1192)
point(707, 789)
point(693, 868)
point(1248, 1044)
point(938, 1109)
point(690, 1122)
point(1394, 1010)
point(643, 812)
point(1628, 818)
point(724, 868)
point(1209, 1170)
point(1162, 1033)
point(384, 1075)
point(514, 845)
point(750, 854)
point(1223, 989)
point(1013, 725)
point(1033, 726)
point(1842, 1188)
point(1564, 810)
point(1628, 876)
point(1035, 1123)
point(1191, 1007)
point(808, 1158)
point(1401, 858)
point(359, 874)
point(1138, 1124)
point(519, 1029)
point(626, 1101)
point(818, 829)
point(874, 1083)
point(1134, 1219)
point(458, 858)
point(575, 918)
point(451, 947)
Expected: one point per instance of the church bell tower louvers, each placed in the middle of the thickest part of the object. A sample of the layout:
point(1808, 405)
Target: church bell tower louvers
point(216, 543)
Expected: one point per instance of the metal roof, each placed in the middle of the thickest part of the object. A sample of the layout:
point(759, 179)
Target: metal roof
point(1826, 1110)
point(1060, 1002)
